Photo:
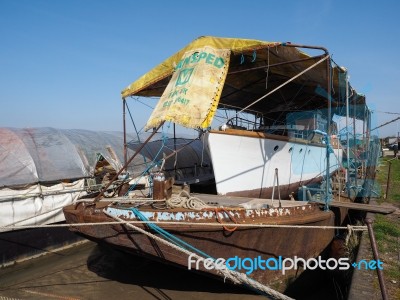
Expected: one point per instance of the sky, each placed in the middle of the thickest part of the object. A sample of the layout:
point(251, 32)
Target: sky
point(64, 63)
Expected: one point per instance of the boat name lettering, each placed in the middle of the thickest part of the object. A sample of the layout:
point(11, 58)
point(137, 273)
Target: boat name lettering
point(197, 57)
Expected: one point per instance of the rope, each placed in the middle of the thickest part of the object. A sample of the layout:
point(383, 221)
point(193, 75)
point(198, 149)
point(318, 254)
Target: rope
point(285, 83)
point(349, 234)
point(183, 199)
point(127, 200)
point(267, 71)
point(35, 216)
point(354, 228)
point(177, 241)
point(154, 162)
point(236, 277)
point(218, 209)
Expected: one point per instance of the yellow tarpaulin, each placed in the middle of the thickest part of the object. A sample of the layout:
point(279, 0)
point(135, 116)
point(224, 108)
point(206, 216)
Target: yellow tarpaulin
point(151, 83)
point(267, 78)
point(192, 95)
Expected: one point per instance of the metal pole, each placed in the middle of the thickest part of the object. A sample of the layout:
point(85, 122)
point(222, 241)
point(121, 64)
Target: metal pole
point(364, 145)
point(355, 147)
point(128, 162)
point(382, 285)
point(175, 176)
point(328, 133)
point(277, 64)
point(124, 126)
point(347, 132)
point(388, 180)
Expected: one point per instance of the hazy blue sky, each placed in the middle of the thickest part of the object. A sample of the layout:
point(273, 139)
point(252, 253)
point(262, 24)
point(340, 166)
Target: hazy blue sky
point(64, 63)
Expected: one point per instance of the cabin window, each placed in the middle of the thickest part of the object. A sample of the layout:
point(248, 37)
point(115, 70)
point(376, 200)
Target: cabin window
point(301, 150)
point(290, 149)
point(276, 147)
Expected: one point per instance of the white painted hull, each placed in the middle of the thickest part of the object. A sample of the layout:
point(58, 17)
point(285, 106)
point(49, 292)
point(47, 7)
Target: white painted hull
point(245, 166)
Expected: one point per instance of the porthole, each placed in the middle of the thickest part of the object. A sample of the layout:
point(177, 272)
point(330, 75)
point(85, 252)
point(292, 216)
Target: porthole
point(301, 150)
point(276, 148)
point(290, 149)
point(309, 151)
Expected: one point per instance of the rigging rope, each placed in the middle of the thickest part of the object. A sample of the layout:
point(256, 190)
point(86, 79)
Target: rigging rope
point(234, 276)
point(354, 228)
point(285, 83)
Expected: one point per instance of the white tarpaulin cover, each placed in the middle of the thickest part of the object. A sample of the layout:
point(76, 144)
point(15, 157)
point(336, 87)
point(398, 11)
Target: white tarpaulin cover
point(43, 170)
point(37, 204)
point(32, 155)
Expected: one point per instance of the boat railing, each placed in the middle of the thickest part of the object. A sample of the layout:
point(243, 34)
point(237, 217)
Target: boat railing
point(296, 132)
point(241, 123)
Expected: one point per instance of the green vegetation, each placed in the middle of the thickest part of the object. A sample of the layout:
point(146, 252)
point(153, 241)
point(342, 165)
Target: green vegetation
point(387, 233)
point(387, 227)
point(394, 180)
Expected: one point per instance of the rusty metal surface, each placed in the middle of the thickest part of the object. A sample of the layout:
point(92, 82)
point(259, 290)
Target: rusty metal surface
point(215, 241)
point(374, 247)
point(272, 215)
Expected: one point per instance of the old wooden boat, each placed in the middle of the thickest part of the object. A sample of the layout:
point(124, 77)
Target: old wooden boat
point(228, 227)
point(261, 105)
point(277, 137)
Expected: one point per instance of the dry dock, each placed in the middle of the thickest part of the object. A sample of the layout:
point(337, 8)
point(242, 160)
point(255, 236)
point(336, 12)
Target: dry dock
point(88, 271)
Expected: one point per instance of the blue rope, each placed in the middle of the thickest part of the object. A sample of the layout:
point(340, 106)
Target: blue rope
point(148, 167)
point(177, 241)
point(164, 138)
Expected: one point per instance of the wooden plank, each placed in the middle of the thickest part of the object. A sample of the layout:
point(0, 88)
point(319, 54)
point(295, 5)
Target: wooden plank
point(351, 205)
point(364, 207)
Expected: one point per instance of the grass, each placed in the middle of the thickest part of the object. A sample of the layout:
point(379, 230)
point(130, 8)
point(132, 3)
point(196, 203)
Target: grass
point(387, 233)
point(394, 180)
point(387, 227)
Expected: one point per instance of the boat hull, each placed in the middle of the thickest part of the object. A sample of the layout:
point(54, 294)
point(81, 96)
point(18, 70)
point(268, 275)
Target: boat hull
point(218, 242)
point(249, 159)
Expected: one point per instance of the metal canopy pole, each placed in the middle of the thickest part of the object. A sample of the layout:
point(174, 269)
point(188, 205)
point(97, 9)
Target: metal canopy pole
point(355, 150)
point(347, 131)
point(328, 195)
point(124, 126)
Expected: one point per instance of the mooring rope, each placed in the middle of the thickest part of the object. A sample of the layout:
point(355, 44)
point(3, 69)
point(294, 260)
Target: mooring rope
point(354, 228)
point(234, 276)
